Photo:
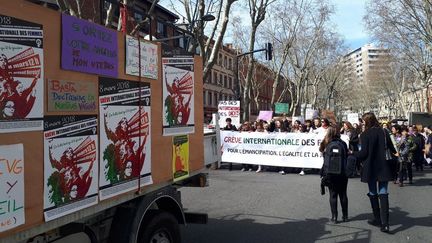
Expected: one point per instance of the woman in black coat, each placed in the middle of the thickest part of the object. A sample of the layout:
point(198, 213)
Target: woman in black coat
point(376, 170)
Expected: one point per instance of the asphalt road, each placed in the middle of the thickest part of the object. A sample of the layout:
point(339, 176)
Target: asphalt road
point(269, 207)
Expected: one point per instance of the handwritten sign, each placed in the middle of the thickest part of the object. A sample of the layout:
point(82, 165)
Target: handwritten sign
point(12, 186)
point(229, 109)
point(88, 47)
point(72, 95)
point(149, 58)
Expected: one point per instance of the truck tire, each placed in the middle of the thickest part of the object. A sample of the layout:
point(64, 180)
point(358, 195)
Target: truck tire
point(159, 227)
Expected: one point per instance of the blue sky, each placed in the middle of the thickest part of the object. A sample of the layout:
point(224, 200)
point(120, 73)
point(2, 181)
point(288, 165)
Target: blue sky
point(348, 19)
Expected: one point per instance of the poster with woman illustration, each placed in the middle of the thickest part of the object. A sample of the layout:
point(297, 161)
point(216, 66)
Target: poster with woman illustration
point(70, 164)
point(21, 75)
point(178, 95)
point(180, 157)
point(124, 118)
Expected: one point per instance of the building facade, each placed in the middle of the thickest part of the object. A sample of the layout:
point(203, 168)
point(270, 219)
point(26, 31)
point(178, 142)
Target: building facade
point(364, 63)
point(220, 85)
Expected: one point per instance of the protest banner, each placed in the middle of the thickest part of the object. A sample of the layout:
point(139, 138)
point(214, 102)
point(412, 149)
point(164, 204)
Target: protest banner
point(125, 138)
point(311, 114)
point(21, 75)
point(275, 149)
point(265, 115)
point(148, 53)
point(353, 118)
point(70, 164)
point(180, 157)
point(281, 108)
point(229, 109)
point(178, 95)
point(12, 186)
point(71, 95)
point(88, 47)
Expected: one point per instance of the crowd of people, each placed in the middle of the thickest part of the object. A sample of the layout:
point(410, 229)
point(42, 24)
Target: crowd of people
point(283, 124)
point(382, 152)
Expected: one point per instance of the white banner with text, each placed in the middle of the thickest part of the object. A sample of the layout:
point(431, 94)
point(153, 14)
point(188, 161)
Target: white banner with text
point(274, 149)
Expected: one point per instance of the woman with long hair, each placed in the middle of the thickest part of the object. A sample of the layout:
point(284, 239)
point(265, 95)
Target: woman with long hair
point(351, 132)
point(337, 184)
point(376, 171)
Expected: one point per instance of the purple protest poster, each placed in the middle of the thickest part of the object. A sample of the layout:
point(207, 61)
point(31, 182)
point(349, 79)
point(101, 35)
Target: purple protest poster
point(88, 47)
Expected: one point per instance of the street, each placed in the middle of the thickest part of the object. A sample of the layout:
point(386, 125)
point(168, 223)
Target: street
point(269, 207)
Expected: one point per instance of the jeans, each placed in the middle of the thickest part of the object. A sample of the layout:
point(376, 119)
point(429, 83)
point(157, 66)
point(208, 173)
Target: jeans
point(382, 187)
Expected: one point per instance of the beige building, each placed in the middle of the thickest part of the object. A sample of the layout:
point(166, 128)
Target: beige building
point(364, 63)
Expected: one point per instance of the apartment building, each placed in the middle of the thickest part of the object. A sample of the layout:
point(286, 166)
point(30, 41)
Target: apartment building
point(364, 64)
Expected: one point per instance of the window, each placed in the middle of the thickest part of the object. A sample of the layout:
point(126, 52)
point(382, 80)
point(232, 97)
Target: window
point(225, 62)
point(225, 81)
point(220, 80)
point(230, 64)
point(204, 97)
point(230, 83)
point(214, 77)
point(216, 99)
point(220, 59)
point(210, 96)
point(161, 29)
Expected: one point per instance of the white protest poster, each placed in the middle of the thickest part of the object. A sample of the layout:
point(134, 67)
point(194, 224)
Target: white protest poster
point(178, 95)
point(353, 118)
point(148, 54)
point(311, 114)
point(12, 186)
point(125, 139)
point(70, 164)
point(229, 109)
point(21, 75)
point(275, 149)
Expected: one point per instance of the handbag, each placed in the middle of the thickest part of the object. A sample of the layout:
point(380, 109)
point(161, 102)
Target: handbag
point(390, 158)
point(388, 153)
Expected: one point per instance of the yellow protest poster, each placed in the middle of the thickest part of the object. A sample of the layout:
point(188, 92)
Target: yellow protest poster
point(180, 157)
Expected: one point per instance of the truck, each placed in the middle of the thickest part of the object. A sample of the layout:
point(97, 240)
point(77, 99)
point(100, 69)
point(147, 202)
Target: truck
point(95, 131)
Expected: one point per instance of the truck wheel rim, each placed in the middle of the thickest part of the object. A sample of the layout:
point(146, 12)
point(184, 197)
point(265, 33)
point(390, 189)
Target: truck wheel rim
point(161, 236)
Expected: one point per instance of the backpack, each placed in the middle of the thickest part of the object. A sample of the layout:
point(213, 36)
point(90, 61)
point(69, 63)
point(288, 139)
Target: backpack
point(335, 158)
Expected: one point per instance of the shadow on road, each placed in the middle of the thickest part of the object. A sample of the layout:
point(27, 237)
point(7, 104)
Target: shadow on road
point(247, 228)
point(399, 220)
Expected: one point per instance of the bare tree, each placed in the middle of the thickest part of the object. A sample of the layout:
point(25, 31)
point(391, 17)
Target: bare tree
point(257, 13)
point(207, 37)
point(405, 26)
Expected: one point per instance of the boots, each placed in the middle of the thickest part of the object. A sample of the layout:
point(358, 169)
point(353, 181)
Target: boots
point(384, 212)
point(334, 218)
point(375, 209)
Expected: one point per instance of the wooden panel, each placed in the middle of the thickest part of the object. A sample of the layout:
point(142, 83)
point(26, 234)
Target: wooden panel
point(33, 141)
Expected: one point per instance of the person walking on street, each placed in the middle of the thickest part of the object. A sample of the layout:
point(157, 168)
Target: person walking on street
point(376, 171)
point(418, 154)
point(336, 183)
point(407, 149)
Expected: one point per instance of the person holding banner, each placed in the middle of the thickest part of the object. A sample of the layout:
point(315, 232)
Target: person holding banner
point(336, 183)
point(229, 126)
point(377, 171)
